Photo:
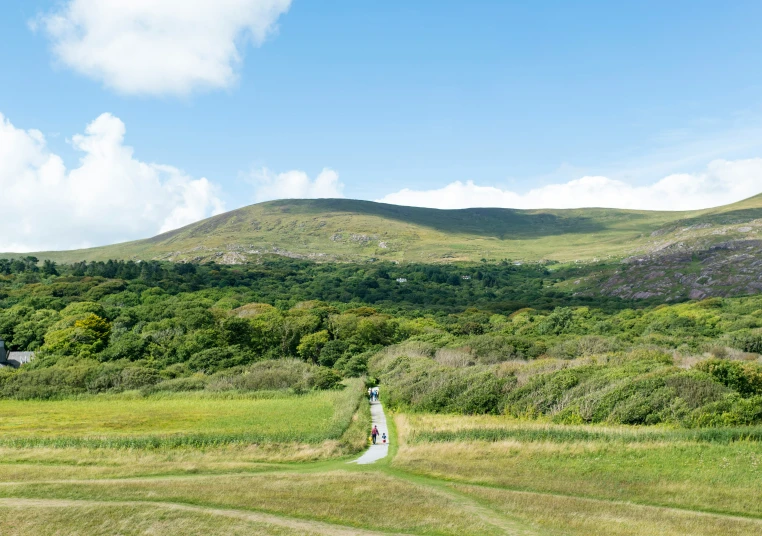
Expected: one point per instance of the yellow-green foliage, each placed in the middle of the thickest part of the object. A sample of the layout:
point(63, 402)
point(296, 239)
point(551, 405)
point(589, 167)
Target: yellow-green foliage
point(80, 331)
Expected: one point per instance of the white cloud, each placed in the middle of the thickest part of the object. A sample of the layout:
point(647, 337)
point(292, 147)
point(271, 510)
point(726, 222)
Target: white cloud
point(109, 197)
point(295, 185)
point(159, 46)
point(723, 182)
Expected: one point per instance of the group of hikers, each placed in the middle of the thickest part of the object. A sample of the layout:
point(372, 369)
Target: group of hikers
point(374, 435)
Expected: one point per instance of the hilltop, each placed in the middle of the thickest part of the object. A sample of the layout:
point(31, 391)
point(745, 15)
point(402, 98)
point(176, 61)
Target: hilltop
point(347, 230)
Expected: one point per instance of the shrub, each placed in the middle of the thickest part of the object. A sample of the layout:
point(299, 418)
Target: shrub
point(731, 411)
point(216, 359)
point(421, 384)
point(137, 377)
point(326, 378)
point(491, 348)
point(559, 321)
point(746, 378)
point(176, 385)
point(454, 357)
point(747, 342)
point(582, 347)
point(264, 376)
point(45, 383)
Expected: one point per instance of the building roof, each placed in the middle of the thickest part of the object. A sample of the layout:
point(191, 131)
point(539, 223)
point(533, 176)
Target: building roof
point(21, 357)
point(16, 359)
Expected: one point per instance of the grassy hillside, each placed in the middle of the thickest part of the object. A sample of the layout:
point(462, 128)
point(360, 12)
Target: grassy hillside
point(344, 230)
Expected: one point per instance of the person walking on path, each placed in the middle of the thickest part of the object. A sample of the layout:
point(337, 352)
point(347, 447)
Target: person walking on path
point(374, 434)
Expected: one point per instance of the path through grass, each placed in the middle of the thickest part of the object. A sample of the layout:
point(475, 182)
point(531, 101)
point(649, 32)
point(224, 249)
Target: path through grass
point(575, 481)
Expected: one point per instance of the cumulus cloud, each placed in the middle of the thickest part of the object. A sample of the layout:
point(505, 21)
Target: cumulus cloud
point(295, 185)
point(722, 182)
point(159, 46)
point(109, 197)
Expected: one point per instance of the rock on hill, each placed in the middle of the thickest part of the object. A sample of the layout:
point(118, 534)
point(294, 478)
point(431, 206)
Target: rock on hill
point(349, 230)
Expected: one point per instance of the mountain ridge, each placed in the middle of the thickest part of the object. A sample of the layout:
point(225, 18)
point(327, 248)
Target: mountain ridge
point(346, 230)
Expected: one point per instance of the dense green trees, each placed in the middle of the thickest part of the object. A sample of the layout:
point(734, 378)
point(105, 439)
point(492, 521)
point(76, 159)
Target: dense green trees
point(476, 346)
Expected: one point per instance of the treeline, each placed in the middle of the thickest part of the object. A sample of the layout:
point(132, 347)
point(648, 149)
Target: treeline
point(502, 288)
point(443, 340)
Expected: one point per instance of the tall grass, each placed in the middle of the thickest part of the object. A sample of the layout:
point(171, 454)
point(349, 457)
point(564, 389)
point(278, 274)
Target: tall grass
point(179, 420)
point(568, 434)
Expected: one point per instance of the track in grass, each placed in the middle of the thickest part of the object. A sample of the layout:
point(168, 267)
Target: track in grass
point(449, 486)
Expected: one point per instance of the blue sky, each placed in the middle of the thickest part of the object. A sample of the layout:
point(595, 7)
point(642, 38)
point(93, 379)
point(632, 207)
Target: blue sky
point(537, 104)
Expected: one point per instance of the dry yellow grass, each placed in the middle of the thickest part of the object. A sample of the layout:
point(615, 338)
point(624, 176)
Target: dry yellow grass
point(693, 475)
point(722, 478)
point(574, 516)
point(367, 499)
point(530, 488)
point(65, 518)
point(45, 463)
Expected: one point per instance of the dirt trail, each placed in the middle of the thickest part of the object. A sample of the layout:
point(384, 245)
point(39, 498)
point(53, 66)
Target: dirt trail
point(305, 526)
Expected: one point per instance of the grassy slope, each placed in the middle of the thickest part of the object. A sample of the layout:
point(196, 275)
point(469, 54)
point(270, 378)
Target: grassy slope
point(343, 229)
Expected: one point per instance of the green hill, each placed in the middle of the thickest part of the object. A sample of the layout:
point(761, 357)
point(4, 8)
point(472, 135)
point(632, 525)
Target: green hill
point(350, 230)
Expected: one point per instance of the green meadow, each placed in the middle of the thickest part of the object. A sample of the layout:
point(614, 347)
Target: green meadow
point(176, 419)
point(277, 463)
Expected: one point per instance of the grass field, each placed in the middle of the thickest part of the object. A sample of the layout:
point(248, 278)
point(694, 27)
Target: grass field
point(192, 419)
point(594, 480)
point(446, 475)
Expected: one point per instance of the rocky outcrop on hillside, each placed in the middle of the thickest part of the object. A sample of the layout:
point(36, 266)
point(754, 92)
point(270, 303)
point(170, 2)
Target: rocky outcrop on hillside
point(730, 268)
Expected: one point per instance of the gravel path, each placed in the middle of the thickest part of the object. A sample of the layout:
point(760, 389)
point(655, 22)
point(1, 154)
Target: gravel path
point(379, 450)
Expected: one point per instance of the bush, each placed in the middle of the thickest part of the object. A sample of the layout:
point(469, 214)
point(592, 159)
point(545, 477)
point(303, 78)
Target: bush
point(420, 384)
point(176, 385)
point(746, 378)
point(559, 321)
point(582, 347)
point(731, 411)
point(489, 349)
point(137, 377)
point(326, 378)
point(747, 342)
point(217, 359)
point(268, 375)
point(45, 383)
